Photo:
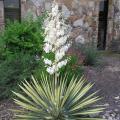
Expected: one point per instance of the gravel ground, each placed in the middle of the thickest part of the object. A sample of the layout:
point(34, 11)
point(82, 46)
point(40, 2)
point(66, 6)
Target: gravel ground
point(5, 113)
point(106, 77)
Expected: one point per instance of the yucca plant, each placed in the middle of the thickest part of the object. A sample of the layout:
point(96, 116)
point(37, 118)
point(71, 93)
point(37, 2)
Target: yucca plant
point(53, 98)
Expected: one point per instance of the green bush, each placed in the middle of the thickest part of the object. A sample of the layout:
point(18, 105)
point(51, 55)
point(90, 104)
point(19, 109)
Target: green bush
point(13, 70)
point(91, 56)
point(53, 99)
point(20, 50)
point(90, 53)
point(26, 37)
point(72, 68)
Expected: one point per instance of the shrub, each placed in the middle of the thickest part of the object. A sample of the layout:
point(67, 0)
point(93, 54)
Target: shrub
point(73, 68)
point(90, 53)
point(13, 70)
point(91, 56)
point(53, 99)
point(26, 37)
point(20, 47)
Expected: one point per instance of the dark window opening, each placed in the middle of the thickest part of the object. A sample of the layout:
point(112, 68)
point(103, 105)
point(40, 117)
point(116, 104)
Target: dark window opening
point(102, 27)
point(12, 10)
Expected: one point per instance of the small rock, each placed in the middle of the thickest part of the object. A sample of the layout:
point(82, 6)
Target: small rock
point(48, 6)
point(66, 11)
point(117, 98)
point(94, 115)
point(78, 23)
point(80, 39)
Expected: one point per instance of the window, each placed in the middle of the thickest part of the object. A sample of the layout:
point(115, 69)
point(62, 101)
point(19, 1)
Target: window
point(12, 9)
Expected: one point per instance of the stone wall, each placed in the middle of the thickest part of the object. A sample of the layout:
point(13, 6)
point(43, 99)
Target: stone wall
point(113, 33)
point(34, 7)
point(82, 14)
point(85, 20)
point(83, 17)
point(115, 43)
point(117, 20)
point(1, 15)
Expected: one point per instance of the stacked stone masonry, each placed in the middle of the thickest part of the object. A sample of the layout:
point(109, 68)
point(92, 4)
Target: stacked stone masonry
point(83, 16)
point(113, 32)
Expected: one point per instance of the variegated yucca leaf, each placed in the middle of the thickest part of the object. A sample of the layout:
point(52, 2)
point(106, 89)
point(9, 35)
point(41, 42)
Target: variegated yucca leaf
point(53, 98)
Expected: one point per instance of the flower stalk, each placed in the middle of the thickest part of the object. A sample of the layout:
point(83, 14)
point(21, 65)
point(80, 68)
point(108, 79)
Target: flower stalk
point(57, 34)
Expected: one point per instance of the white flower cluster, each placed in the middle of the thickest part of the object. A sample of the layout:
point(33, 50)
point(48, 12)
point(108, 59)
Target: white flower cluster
point(56, 41)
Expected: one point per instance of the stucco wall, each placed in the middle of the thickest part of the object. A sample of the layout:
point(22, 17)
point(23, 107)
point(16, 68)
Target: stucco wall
point(1, 15)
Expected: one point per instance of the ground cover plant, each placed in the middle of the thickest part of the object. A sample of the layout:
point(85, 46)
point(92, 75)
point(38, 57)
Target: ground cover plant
point(55, 96)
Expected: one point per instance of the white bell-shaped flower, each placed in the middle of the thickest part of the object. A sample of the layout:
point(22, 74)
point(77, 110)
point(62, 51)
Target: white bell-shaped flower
point(56, 40)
